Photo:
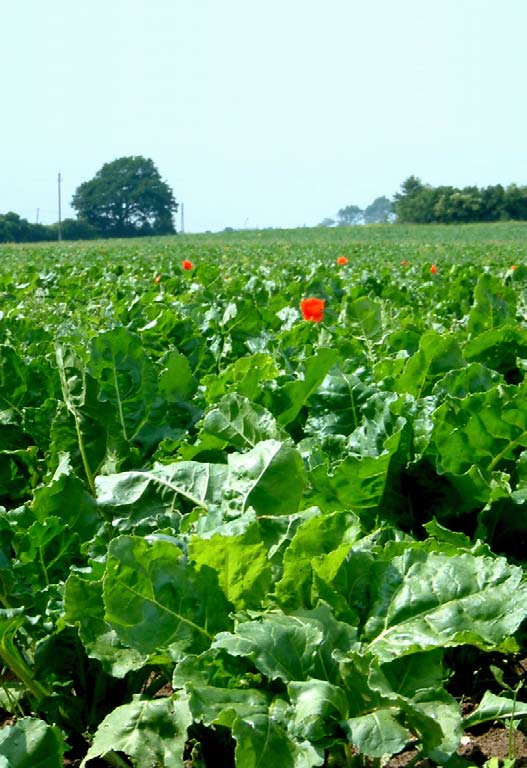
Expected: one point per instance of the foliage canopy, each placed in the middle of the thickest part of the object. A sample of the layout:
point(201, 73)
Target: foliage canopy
point(127, 197)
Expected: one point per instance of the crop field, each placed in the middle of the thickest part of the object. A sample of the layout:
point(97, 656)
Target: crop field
point(263, 498)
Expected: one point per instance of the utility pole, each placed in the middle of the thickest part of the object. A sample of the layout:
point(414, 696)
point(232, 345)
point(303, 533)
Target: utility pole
point(59, 179)
point(182, 228)
point(38, 211)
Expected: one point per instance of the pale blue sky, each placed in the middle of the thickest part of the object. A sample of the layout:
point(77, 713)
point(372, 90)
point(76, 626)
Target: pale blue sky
point(258, 114)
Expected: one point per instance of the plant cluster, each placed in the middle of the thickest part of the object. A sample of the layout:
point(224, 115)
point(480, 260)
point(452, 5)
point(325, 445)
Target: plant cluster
point(254, 507)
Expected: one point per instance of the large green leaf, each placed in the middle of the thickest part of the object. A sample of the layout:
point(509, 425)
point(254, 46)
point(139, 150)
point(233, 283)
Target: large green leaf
point(499, 348)
point(316, 536)
point(149, 584)
point(414, 683)
point(220, 706)
point(244, 376)
point(494, 305)
point(238, 422)
point(83, 425)
point(242, 565)
point(280, 646)
point(151, 732)
point(486, 429)
point(290, 648)
point(367, 479)
point(336, 407)
point(127, 378)
point(492, 707)
point(378, 733)
point(428, 600)
point(31, 743)
point(437, 354)
point(287, 401)
point(185, 481)
point(65, 496)
point(260, 740)
point(270, 478)
point(318, 708)
point(364, 318)
point(84, 607)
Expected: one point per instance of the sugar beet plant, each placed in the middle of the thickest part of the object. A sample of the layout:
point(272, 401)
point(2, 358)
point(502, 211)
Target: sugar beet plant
point(231, 535)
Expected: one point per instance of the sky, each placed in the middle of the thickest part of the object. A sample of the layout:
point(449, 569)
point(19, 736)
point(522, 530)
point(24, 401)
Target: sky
point(261, 114)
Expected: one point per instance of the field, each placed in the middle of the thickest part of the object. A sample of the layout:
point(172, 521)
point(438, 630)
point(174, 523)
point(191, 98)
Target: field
point(239, 529)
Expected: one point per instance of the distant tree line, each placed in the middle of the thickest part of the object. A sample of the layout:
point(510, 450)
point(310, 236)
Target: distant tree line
point(419, 203)
point(15, 229)
point(378, 212)
point(126, 198)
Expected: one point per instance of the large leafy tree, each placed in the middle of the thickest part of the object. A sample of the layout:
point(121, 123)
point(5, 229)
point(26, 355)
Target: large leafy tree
point(349, 215)
point(379, 211)
point(127, 197)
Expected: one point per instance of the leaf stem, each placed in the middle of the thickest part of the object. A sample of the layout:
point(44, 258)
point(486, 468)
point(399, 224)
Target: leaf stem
point(12, 657)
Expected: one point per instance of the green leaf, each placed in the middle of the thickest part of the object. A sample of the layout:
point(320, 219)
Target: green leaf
point(31, 743)
point(365, 483)
point(467, 381)
point(192, 481)
point(240, 423)
point(295, 647)
point(414, 683)
point(428, 600)
point(494, 305)
point(244, 376)
point(437, 355)
point(485, 429)
point(83, 425)
point(498, 348)
point(260, 740)
point(364, 318)
point(492, 707)
point(66, 497)
point(242, 565)
point(46, 551)
point(318, 709)
point(126, 377)
point(151, 732)
point(84, 607)
point(176, 381)
point(378, 733)
point(280, 646)
point(316, 536)
point(287, 401)
point(336, 407)
point(270, 478)
point(220, 706)
point(150, 585)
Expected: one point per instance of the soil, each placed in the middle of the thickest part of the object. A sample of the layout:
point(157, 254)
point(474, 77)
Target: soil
point(477, 748)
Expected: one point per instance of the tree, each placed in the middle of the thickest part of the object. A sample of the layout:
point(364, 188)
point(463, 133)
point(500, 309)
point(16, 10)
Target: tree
point(415, 202)
point(381, 210)
point(126, 197)
point(349, 215)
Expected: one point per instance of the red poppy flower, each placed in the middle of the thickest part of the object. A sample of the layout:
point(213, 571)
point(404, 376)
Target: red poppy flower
point(313, 309)
point(187, 264)
point(342, 260)
point(404, 263)
point(514, 266)
point(433, 269)
point(157, 278)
